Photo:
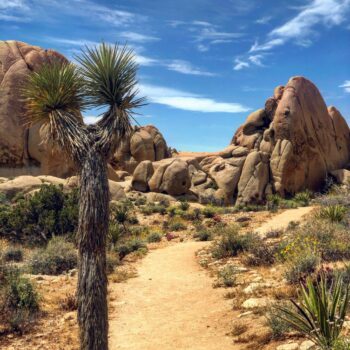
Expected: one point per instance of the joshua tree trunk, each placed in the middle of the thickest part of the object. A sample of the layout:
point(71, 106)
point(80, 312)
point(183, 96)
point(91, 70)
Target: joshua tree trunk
point(92, 233)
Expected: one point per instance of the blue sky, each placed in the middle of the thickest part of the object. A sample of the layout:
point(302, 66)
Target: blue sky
point(204, 64)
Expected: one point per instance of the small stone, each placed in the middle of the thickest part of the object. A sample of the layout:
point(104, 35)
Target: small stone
point(290, 346)
point(244, 314)
point(254, 286)
point(253, 303)
point(307, 345)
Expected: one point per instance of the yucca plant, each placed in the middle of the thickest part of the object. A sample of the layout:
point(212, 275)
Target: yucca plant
point(333, 213)
point(321, 312)
point(54, 97)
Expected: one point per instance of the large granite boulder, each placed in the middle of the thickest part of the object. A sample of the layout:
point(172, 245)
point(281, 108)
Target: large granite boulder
point(145, 143)
point(22, 150)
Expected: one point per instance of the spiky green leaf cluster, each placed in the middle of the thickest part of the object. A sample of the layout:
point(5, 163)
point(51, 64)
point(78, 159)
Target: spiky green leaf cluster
point(110, 77)
point(56, 86)
point(321, 312)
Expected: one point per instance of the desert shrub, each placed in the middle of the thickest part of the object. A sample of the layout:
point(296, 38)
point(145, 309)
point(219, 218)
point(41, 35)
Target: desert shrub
point(112, 262)
point(275, 321)
point(321, 311)
point(69, 302)
point(299, 269)
point(333, 213)
point(231, 243)
point(184, 205)
point(203, 234)
point(260, 255)
point(37, 218)
point(330, 240)
point(130, 246)
point(341, 344)
point(140, 201)
point(152, 208)
point(57, 257)
point(13, 254)
point(19, 301)
point(208, 211)
point(303, 198)
point(227, 276)
point(176, 224)
point(115, 232)
point(154, 237)
point(273, 202)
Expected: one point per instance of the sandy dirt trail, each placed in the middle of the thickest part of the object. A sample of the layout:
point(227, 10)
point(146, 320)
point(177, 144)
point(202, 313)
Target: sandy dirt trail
point(171, 304)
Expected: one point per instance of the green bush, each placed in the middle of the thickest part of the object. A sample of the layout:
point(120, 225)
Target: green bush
point(303, 198)
point(260, 255)
point(37, 218)
point(227, 277)
point(275, 321)
point(342, 344)
point(231, 243)
point(209, 211)
point(273, 202)
point(184, 205)
point(333, 213)
point(154, 237)
point(13, 254)
point(152, 208)
point(130, 246)
point(19, 301)
point(299, 269)
point(57, 257)
point(203, 234)
point(176, 224)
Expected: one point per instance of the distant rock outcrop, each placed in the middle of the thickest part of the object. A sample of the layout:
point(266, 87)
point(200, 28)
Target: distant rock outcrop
point(290, 145)
point(22, 151)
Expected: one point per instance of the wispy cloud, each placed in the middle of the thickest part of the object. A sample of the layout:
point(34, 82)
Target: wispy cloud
point(14, 10)
point(346, 86)
point(264, 20)
point(206, 34)
point(239, 65)
point(188, 101)
point(301, 28)
point(185, 67)
point(137, 37)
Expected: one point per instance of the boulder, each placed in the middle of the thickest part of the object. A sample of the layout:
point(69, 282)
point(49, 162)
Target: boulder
point(254, 178)
point(116, 191)
point(226, 175)
point(342, 176)
point(22, 148)
point(144, 143)
point(142, 175)
point(171, 176)
point(311, 140)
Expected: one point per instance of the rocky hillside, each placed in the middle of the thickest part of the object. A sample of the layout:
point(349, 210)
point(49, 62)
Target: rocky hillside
point(290, 145)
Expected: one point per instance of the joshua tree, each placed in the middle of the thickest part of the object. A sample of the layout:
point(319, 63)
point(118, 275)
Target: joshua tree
point(54, 97)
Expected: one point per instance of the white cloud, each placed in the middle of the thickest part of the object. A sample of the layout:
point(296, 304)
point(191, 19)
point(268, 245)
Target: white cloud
point(256, 59)
point(145, 61)
point(210, 33)
point(185, 67)
point(13, 4)
point(301, 28)
point(137, 37)
point(72, 42)
point(266, 46)
point(188, 101)
point(346, 86)
point(263, 20)
point(239, 64)
point(91, 119)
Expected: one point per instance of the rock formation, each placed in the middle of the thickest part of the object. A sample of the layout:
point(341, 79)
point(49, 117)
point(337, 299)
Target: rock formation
point(22, 151)
point(290, 145)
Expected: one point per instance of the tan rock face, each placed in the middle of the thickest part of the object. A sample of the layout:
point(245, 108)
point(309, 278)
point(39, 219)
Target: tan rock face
point(145, 143)
point(314, 139)
point(20, 147)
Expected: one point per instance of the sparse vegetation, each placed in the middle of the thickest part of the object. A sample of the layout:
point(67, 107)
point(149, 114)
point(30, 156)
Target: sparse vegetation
point(321, 312)
point(154, 237)
point(57, 257)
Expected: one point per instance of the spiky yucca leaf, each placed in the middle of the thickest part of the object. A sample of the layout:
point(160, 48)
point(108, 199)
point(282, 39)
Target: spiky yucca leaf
point(110, 81)
point(321, 312)
point(54, 97)
point(56, 86)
